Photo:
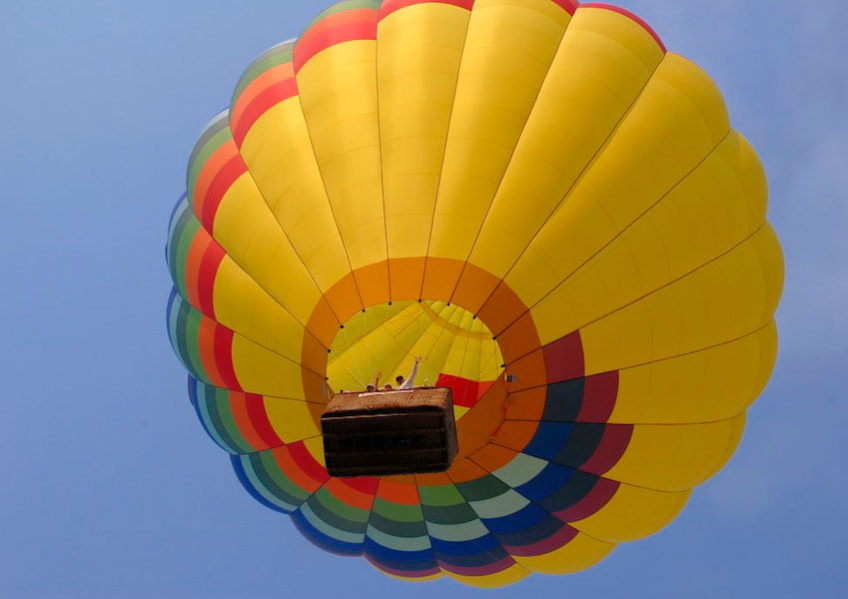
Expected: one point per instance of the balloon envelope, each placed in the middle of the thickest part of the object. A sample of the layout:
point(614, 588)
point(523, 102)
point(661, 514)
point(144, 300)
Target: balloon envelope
point(538, 199)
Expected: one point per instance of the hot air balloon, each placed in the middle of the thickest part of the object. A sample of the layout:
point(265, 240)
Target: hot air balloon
point(536, 198)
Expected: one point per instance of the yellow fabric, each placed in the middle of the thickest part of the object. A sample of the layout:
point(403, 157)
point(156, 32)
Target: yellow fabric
point(246, 229)
point(338, 92)
point(387, 339)
point(278, 152)
point(263, 372)
point(509, 576)
point(714, 209)
point(243, 306)
point(677, 120)
point(725, 300)
point(421, 43)
point(676, 458)
point(633, 513)
point(705, 386)
point(291, 420)
point(600, 68)
point(499, 81)
point(579, 553)
point(380, 351)
point(315, 447)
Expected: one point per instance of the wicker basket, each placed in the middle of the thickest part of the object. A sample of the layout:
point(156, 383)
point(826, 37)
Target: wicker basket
point(389, 432)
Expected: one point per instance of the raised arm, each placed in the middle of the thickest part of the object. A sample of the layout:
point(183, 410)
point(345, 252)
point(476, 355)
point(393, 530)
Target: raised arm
point(410, 382)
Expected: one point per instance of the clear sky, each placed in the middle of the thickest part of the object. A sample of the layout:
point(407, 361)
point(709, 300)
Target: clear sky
point(110, 488)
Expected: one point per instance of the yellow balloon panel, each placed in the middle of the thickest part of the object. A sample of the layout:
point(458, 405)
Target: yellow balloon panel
point(459, 349)
point(439, 340)
point(490, 361)
point(678, 119)
point(379, 351)
point(278, 153)
point(433, 347)
point(508, 51)
point(387, 339)
point(357, 328)
point(728, 298)
point(263, 372)
point(633, 513)
point(705, 386)
point(602, 64)
point(338, 91)
point(246, 229)
point(676, 458)
point(241, 305)
point(291, 420)
point(428, 578)
point(315, 447)
point(579, 553)
point(509, 576)
point(418, 64)
point(720, 204)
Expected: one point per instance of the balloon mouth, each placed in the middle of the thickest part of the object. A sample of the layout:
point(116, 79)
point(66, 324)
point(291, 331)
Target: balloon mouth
point(362, 303)
point(456, 349)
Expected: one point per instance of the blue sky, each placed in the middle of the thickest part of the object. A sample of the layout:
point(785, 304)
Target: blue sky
point(110, 488)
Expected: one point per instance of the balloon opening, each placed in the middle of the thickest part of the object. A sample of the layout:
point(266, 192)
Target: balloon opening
point(457, 351)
